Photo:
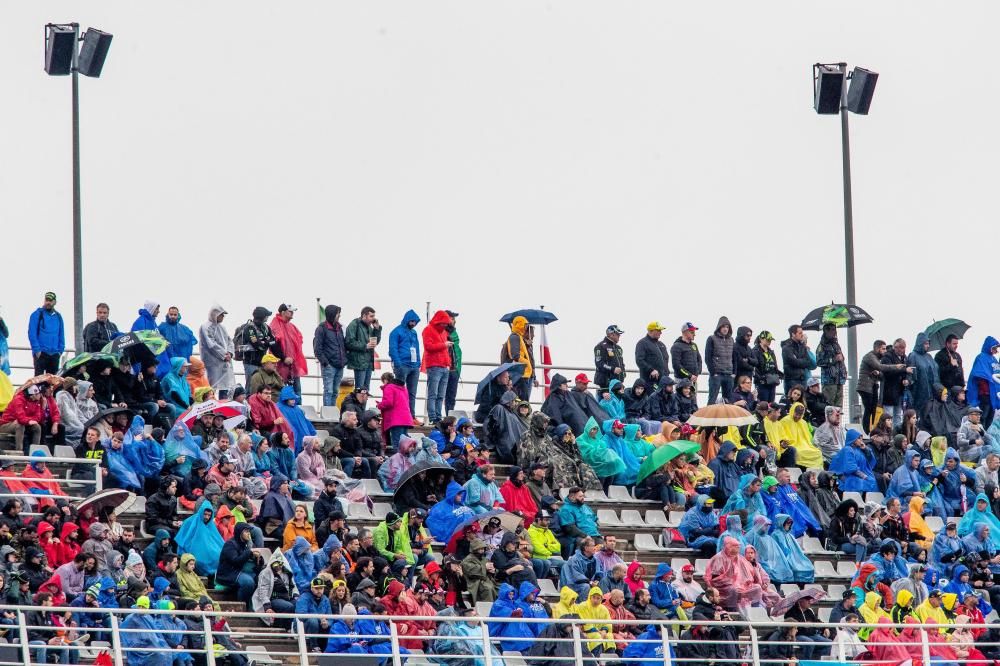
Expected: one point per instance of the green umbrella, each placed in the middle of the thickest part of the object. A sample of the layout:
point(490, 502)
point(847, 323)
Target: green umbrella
point(939, 331)
point(85, 358)
point(152, 340)
point(664, 454)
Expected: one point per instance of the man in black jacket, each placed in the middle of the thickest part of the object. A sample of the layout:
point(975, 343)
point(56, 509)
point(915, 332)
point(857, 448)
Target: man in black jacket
point(161, 508)
point(562, 408)
point(895, 381)
point(350, 456)
point(328, 346)
point(686, 355)
point(744, 361)
point(99, 332)
point(652, 357)
point(795, 357)
point(372, 446)
point(326, 505)
point(662, 405)
point(258, 339)
point(609, 360)
point(588, 403)
point(949, 363)
point(719, 354)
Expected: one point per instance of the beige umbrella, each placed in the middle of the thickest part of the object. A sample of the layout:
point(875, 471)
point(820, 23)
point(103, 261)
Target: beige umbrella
point(721, 416)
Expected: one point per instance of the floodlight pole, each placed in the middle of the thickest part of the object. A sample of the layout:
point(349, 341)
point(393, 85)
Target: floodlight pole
point(77, 223)
point(852, 335)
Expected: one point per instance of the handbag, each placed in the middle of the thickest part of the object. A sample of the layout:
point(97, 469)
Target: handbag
point(771, 379)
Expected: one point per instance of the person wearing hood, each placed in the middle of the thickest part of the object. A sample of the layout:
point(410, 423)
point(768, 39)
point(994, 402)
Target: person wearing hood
point(238, 563)
point(599, 629)
point(700, 525)
point(446, 516)
point(174, 385)
point(404, 351)
point(906, 479)
point(510, 565)
point(437, 361)
point(769, 555)
point(636, 406)
point(719, 356)
point(595, 452)
point(727, 472)
point(614, 431)
point(72, 420)
point(181, 338)
point(734, 530)
point(687, 399)
point(663, 595)
point(503, 429)
point(796, 434)
point(652, 357)
point(558, 452)
point(330, 352)
point(478, 573)
point(217, 351)
point(925, 372)
point(833, 370)
point(289, 405)
point(288, 336)
point(803, 570)
point(855, 465)
point(983, 388)
point(561, 407)
point(613, 402)
point(98, 545)
point(747, 498)
point(276, 591)
point(955, 484)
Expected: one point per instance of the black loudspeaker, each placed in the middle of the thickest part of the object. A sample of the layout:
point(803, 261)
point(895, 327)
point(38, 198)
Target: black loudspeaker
point(60, 40)
point(829, 87)
point(859, 95)
point(93, 52)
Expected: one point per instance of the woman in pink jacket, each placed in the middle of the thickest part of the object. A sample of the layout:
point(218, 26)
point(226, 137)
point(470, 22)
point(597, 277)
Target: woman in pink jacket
point(395, 408)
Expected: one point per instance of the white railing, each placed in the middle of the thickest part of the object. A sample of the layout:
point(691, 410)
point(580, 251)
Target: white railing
point(752, 644)
point(75, 489)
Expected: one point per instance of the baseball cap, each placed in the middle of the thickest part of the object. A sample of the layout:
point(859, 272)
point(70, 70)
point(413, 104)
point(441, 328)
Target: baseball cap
point(34, 390)
point(812, 381)
point(285, 306)
point(260, 311)
point(617, 424)
point(655, 326)
point(317, 582)
point(688, 326)
point(544, 514)
point(710, 501)
point(582, 377)
point(50, 296)
point(687, 567)
point(766, 335)
point(613, 328)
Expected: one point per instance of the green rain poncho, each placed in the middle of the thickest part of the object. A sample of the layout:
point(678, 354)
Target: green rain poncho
point(596, 453)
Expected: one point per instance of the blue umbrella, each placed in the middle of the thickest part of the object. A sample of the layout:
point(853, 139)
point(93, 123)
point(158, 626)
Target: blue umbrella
point(534, 317)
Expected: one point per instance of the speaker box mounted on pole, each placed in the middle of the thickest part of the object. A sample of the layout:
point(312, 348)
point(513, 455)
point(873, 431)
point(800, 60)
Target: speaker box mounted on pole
point(60, 40)
point(829, 84)
point(93, 52)
point(859, 95)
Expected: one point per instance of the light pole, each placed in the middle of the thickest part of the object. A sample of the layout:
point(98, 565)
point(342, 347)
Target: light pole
point(63, 56)
point(831, 95)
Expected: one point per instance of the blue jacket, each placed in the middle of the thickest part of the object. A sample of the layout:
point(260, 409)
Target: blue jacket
point(651, 650)
point(851, 460)
point(983, 368)
point(789, 502)
point(480, 496)
point(46, 332)
point(404, 343)
point(662, 594)
point(727, 472)
point(308, 603)
point(144, 322)
point(514, 635)
point(582, 516)
point(578, 570)
point(925, 373)
point(182, 340)
point(531, 609)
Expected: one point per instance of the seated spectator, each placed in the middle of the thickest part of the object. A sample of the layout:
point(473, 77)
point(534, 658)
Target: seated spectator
point(613, 578)
point(478, 573)
point(855, 465)
point(796, 434)
point(314, 602)
point(393, 468)
point(517, 497)
point(199, 536)
point(733, 577)
point(266, 415)
point(481, 491)
point(299, 526)
point(700, 525)
point(580, 572)
point(445, 517)
point(803, 570)
point(267, 375)
point(372, 446)
point(504, 427)
point(599, 630)
point(301, 562)
point(813, 642)
point(310, 466)
point(277, 508)
point(288, 404)
point(576, 519)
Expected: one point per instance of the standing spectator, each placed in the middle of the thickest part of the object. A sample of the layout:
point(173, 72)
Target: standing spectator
point(253, 340)
point(329, 349)
point(925, 373)
point(396, 415)
point(47, 336)
point(687, 358)
point(795, 357)
point(146, 321)
point(180, 337)
point(949, 363)
point(609, 360)
point(833, 370)
point(744, 362)
point(870, 379)
point(217, 350)
point(362, 336)
point(719, 350)
point(437, 360)
point(293, 360)
point(99, 332)
point(404, 351)
point(451, 393)
point(4, 348)
point(652, 357)
point(517, 349)
point(983, 384)
point(895, 381)
point(766, 375)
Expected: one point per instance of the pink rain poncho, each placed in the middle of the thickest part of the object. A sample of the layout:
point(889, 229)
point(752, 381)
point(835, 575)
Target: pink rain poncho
point(885, 645)
point(734, 577)
point(399, 462)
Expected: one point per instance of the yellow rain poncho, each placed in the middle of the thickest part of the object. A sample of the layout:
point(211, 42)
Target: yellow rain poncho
point(567, 603)
point(871, 611)
point(600, 618)
point(798, 434)
point(918, 524)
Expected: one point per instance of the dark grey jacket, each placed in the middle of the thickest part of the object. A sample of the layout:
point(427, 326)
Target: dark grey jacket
point(719, 349)
point(651, 355)
point(328, 344)
point(686, 358)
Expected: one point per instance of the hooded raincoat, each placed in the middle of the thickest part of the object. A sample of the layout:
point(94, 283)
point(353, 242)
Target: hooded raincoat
point(294, 416)
point(975, 516)
point(445, 517)
point(803, 570)
point(854, 466)
point(216, 345)
point(618, 446)
point(753, 504)
point(698, 526)
point(905, 480)
point(983, 378)
point(770, 557)
point(201, 539)
point(595, 452)
point(733, 576)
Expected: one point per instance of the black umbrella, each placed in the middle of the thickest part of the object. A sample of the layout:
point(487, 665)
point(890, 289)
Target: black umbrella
point(110, 411)
point(486, 383)
point(534, 317)
point(841, 316)
point(422, 466)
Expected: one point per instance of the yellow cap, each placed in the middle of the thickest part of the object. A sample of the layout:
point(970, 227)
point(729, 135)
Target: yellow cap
point(655, 326)
point(269, 358)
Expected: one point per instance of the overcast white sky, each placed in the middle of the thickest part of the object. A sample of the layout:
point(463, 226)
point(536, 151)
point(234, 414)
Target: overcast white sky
point(614, 161)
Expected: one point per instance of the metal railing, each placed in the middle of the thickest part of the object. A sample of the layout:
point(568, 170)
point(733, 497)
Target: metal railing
point(67, 484)
point(752, 642)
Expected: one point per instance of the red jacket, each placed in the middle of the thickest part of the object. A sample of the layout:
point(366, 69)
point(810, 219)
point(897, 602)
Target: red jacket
point(518, 499)
point(435, 337)
point(23, 410)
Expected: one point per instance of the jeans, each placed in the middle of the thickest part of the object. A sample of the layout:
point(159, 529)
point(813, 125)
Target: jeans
point(556, 563)
point(245, 586)
point(395, 433)
point(437, 381)
point(410, 377)
point(451, 393)
point(858, 550)
point(815, 646)
point(282, 606)
point(256, 536)
point(717, 382)
point(765, 393)
point(349, 467)
point(331, 383)
point(40, 655)
point(896, 412)
point(522, 388)
point(312, 626)
point(789, 383)
point(248, 370)
point(362, 378)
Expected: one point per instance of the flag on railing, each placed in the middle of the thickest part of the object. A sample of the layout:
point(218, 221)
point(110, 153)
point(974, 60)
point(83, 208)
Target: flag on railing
point(320, 312)
point(546, 354)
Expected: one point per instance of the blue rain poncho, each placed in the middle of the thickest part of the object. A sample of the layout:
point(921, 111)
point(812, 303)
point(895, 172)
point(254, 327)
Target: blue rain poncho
point(771, 558)
point(301, 562)
point(976, 515)
point(613, 405)
point(148, 636)
point(180, 442)
point(617, 444)
point(201, 539)
point(145, 453)
point(953, 491)
point(802, 567)
point(963, 589)
point(889, 571)
point(851, 462)
point(175, 386)
point(984, 368)
point(742, 499)
point(905, 480)
point(512, 635)
point(121, 471)
point(4, 355)
point(734, 529)
point(697, 525)
point(942, 548)
point(789, 502)
point(933, 499)
point(294, 416)
point(445, 516)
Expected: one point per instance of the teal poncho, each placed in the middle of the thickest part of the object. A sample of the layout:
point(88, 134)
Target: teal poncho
point(605, 462)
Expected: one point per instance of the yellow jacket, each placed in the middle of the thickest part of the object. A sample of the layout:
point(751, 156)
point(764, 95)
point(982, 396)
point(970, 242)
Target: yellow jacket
point(798, 434)
point(544, 543)
point(519, 327)
point(918, 524)
point(567, 603)
point(927, 614)
point(601, 620)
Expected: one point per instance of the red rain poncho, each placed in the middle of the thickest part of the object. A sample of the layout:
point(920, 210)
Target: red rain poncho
point(734, 577)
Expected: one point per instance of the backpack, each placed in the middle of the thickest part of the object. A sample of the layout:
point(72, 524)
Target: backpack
point(241, 343)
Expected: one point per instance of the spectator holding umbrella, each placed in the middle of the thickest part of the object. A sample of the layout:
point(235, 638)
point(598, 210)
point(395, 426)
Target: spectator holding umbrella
point(949, 363)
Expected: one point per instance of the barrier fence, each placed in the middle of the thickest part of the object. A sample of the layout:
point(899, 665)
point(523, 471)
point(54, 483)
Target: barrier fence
point(462, 640)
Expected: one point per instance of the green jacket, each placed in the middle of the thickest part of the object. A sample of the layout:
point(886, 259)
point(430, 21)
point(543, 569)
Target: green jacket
point(380, 539)
point(456, 352)
point(359, 357)
point(478, 581)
